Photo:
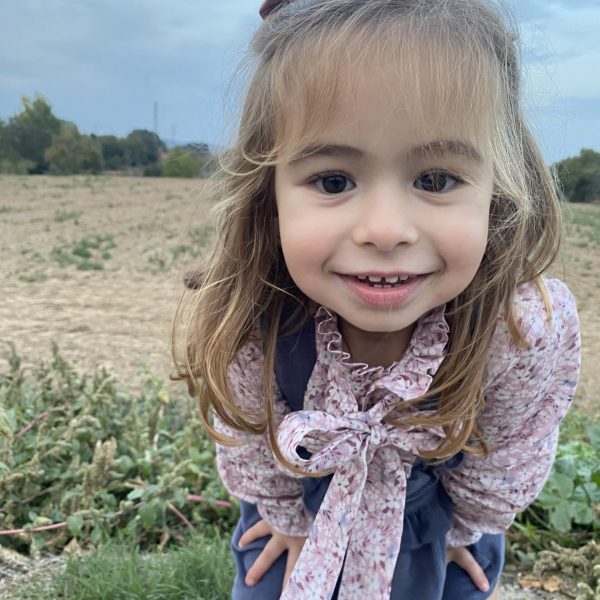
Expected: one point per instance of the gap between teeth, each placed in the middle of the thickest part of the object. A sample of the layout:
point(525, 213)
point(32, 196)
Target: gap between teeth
point(389, 280)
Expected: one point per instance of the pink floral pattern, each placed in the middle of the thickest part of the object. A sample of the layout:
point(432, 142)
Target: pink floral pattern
point(527, 392)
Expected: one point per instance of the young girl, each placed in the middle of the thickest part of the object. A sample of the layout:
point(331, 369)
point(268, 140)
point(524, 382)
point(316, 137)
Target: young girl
point(374, 348)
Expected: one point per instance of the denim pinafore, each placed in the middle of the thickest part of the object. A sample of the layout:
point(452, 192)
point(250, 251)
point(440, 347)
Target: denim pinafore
point(421, 572)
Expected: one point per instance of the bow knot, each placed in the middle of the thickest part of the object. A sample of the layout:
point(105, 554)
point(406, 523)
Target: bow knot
point(379, 435)
point(345, 445)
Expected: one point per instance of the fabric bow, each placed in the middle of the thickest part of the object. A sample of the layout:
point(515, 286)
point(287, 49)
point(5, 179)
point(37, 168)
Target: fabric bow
point(358, 526)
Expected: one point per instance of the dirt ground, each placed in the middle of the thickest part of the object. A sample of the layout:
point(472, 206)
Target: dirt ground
point(111, 303)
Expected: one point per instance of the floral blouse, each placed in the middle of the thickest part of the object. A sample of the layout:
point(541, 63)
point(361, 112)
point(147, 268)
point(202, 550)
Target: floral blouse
point(527, 392)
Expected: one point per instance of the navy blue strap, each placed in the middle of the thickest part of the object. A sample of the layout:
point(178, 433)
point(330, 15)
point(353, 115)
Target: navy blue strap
point(295, 357)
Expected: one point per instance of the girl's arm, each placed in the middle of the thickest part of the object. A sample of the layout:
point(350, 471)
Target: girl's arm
point(250, 471)
point(528, 391)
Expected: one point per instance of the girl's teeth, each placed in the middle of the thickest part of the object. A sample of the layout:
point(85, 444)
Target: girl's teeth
point(381, 282)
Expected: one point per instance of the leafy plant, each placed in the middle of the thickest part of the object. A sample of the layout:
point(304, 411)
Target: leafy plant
point(567, 511)
point(81, 458)
point(572, 492)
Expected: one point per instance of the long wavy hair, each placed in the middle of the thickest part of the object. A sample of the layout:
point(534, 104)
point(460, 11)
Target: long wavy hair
point(304, 55)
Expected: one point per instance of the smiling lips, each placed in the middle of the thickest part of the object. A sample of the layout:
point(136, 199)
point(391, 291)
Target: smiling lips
point(383, 291)
point(383, 282)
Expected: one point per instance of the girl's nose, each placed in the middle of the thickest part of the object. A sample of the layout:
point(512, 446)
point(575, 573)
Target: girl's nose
point(386, 219)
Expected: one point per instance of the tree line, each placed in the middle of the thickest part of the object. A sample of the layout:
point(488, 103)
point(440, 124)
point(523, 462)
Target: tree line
point(579, 176)
point(35, 141)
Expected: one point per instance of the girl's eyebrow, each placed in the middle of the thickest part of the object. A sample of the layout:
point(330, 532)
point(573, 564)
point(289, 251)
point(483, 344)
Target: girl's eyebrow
point(435, 148)
point(445, 147)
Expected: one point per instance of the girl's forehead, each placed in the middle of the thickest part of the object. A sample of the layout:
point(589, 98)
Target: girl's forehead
point(416, 94)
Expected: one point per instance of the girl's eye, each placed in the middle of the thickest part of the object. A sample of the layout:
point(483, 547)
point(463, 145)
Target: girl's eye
point(436, 182)
point(335, 183)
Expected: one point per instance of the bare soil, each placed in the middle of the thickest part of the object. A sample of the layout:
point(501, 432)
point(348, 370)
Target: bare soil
point(113, 309)
point(119, 316)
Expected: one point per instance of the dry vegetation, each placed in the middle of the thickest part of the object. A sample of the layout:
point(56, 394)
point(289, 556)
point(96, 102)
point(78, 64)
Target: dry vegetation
point(111, 303)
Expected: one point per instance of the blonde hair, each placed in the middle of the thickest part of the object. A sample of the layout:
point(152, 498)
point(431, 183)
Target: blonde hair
point(300, 51)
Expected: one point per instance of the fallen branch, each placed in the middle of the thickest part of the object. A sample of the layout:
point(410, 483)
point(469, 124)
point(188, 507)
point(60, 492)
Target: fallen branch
point(181, 516)
point(34, 529)
point(222, 503)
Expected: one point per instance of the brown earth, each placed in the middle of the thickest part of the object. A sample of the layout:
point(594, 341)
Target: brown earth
point(120, 317)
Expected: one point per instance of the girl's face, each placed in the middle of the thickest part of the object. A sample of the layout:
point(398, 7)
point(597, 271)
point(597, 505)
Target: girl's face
point(385, 217)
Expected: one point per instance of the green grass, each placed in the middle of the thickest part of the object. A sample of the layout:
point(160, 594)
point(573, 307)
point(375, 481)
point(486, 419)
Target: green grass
point(7, 209)
point(584, 220)
point(200, 236)
point(201, 568)
point(87, 254)
point(60, 216)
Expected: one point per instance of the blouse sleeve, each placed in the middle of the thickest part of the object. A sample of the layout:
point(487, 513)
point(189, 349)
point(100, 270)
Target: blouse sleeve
point(250, 470)
point(527, 393)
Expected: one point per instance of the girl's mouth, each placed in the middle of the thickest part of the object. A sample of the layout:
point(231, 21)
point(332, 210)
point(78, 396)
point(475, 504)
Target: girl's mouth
point(376, 281)
point(384, 291)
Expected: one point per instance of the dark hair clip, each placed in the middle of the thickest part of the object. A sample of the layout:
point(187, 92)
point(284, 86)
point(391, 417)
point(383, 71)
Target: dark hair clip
point(268, 6)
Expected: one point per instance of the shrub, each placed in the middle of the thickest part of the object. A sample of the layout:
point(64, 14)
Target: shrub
point(82, 458)
point(144, 147)
point(181, 163)
point(115, 152)
point(72, 153)
point(567, 511)
point(579, 176)
point(193, 160)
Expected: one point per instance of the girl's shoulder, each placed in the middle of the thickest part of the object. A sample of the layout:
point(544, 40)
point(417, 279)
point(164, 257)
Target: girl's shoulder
point(546, 316)
point(544, 308)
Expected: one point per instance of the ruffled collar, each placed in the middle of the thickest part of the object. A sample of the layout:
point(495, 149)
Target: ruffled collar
point(421, 359)
point(343, 439)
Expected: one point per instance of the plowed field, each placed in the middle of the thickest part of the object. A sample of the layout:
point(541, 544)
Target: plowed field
point(96, 264)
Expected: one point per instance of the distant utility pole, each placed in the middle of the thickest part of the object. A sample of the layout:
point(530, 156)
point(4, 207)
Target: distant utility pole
point(156, 117)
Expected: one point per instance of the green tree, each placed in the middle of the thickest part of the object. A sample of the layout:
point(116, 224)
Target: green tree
point(30, 132)
point(579, 176)
point(181, 163)
point(192, 160)
point(10, 160)
point(144, 147)
point(115, 152)
point(73, 153)
point(4, 140)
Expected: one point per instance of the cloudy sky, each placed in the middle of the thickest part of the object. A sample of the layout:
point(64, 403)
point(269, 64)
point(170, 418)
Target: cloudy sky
point(104, 63)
